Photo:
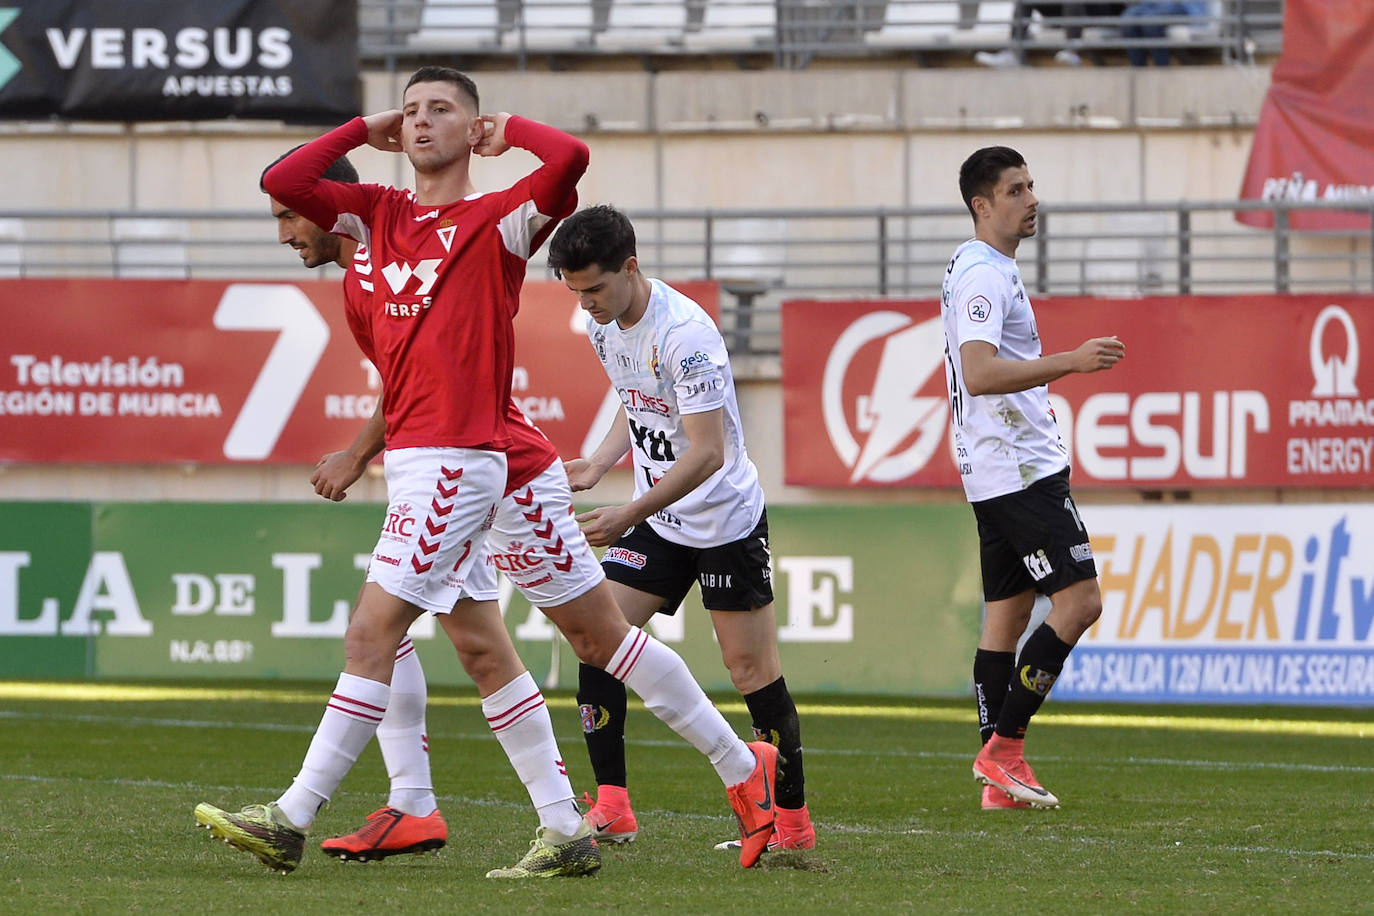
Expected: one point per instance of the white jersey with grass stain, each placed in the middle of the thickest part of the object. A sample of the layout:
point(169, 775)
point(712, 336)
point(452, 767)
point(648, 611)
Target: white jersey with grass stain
point(1002, 442)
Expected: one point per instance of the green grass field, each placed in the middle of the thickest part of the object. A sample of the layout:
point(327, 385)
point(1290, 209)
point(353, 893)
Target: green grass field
point(1173, 810)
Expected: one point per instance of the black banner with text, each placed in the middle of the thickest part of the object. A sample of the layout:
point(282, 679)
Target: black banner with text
point(179, 60)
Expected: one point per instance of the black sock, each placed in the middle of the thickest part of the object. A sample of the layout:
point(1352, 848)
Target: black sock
point(601, 703)
point(775, 721)
point(1042, 658)
point(991, 674)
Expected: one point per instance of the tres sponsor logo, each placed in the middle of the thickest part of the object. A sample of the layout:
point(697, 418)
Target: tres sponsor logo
point(637, 400)
point(626, 557)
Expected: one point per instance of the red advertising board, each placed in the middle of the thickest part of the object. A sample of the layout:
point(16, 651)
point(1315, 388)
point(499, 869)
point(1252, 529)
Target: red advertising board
point(1254, 391)
point(168, 371)
point(1315, 136)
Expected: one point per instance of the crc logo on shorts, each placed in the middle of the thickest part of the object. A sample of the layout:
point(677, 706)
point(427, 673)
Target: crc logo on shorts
point(878, 424)
point(979, 309)
point(1038, 565)
point(625, 557)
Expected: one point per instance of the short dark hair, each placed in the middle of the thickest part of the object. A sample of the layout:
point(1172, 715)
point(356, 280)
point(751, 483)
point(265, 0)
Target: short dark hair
point(339, 170)
point(599, 235)
point(980, 172)
point(437, 74)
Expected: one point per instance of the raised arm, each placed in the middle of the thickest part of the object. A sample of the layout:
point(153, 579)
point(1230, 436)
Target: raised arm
point(296, 181)
point(553, 186)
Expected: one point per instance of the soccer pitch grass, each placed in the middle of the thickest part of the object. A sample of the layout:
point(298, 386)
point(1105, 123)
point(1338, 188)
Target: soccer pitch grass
point(1165, 810)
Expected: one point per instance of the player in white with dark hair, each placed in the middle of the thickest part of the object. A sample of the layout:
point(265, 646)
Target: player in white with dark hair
point(698, 512)
point(1015, 470)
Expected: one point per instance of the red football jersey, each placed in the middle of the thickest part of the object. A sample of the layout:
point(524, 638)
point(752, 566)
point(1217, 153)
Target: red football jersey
point(530, 451)
point(445, 279)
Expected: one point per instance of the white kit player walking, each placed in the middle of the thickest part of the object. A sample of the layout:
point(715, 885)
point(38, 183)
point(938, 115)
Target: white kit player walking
point(698, 512)
point(1015, 472)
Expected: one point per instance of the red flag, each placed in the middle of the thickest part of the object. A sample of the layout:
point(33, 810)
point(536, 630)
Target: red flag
point(1315, 137)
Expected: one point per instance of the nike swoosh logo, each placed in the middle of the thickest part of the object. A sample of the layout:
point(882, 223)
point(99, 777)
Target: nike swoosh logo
point(604, 826)
point(1038, 790)
point(432, 214)
point(767, 795)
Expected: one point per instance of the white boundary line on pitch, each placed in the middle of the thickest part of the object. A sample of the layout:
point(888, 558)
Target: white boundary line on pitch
point(680, 745)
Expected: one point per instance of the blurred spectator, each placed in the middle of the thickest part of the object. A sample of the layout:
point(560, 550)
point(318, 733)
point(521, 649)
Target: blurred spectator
point(1154, 9)
point(1015, 55)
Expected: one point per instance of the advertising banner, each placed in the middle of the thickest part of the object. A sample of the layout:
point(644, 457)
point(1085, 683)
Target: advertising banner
point(177, 371)
point(1224, 391)
point(180, 60)
point(251, 591)
point(1315, 136)
point(1230, 604)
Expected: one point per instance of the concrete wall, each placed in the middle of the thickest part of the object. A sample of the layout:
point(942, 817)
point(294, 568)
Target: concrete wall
point(823, 138)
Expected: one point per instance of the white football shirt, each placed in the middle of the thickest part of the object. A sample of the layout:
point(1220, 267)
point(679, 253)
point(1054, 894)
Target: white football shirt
point(1002, 442)
point(673, 362)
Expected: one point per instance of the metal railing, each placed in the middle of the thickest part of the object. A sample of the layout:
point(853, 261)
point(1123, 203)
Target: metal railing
point(761, 257)
point(793, 33)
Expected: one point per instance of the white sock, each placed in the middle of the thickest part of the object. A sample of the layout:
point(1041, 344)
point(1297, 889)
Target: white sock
point(520, 720)
point(350, 720)
point(401, 735)
point(661, 679)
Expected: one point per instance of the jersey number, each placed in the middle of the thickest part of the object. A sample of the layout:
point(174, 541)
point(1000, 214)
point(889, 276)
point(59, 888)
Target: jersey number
point(652, 441)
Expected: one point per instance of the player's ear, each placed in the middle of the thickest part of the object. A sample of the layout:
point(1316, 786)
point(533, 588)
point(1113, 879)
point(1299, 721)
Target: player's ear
point(631, 266)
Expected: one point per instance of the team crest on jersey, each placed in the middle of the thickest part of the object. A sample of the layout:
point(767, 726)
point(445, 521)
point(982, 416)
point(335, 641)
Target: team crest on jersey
point(653, 363)
point(599, 339)
point(445, 232)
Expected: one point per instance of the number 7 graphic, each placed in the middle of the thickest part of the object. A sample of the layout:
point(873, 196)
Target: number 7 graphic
point(304, 335)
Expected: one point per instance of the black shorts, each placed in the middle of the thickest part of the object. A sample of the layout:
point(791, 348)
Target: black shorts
point(733, 576)
point(1033, 539)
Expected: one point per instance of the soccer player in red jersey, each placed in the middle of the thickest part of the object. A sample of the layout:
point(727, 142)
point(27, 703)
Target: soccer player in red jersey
point(445, 419)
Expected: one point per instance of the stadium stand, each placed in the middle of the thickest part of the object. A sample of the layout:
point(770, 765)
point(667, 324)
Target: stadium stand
point(794, 32)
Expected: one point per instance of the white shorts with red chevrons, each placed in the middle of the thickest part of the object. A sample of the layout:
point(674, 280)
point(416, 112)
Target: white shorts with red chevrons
point(536, 543)
point(441, 503)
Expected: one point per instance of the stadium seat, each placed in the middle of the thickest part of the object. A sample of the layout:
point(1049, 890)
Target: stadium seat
point(552, 25)
point(11, 247)
point(735, 25)
point(922, 23)
point(150, 247)
point(458, 25)
point(644, 25)
point(1205, 29)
